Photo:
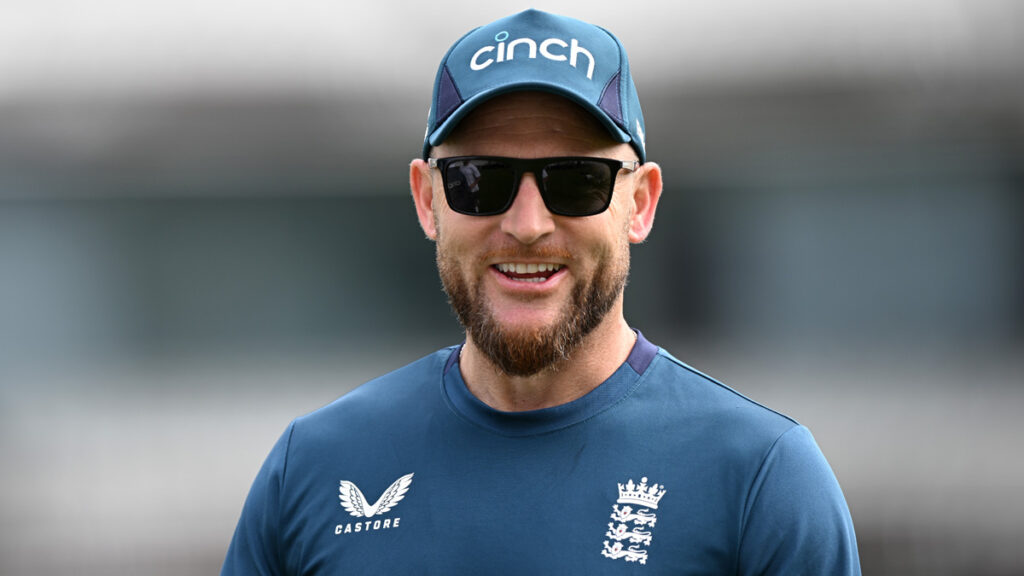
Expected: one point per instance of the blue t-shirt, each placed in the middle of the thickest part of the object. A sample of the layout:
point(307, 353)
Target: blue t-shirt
point(659, 470)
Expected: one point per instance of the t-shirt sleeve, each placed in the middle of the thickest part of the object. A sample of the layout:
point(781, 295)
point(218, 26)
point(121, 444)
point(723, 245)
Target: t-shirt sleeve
point(255, 546)
point(796, 520)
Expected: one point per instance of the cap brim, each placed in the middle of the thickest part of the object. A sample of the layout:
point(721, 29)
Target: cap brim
point(441, 132)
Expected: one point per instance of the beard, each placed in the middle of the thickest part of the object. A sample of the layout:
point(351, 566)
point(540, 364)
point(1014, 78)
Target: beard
point(529, 351)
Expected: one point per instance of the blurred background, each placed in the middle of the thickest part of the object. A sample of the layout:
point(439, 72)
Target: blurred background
point(205, 231)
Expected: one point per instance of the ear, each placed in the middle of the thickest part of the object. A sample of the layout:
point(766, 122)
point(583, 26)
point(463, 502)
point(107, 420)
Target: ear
point(646, 193)
point(422, 185)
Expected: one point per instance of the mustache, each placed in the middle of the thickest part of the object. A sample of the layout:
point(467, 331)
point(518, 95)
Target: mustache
point(519, 252)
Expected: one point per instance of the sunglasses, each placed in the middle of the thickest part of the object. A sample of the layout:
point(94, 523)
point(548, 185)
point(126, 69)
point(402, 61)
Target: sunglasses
point(570, 186)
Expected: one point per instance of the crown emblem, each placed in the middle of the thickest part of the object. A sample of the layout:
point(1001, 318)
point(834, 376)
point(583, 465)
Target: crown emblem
point(641, 494)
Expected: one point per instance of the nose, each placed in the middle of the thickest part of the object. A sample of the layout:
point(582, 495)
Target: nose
point(528, 219)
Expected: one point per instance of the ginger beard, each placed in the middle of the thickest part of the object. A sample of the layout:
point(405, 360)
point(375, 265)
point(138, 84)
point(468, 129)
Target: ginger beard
point(525, 352)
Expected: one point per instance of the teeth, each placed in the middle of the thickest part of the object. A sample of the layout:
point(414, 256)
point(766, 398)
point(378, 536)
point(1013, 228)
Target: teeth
point(532, 268)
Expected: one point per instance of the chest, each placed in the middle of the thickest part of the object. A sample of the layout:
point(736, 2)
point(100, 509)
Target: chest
point(566, 505)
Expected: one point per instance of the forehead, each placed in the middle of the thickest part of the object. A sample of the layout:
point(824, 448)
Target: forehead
point(529, 124)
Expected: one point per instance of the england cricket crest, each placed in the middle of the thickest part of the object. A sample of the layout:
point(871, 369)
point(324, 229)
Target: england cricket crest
point(629, 532)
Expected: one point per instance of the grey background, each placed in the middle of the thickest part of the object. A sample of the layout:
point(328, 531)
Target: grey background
point(205, 231)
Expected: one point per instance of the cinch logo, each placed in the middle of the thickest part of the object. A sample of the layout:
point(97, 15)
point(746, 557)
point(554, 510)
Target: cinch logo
point(507, 52)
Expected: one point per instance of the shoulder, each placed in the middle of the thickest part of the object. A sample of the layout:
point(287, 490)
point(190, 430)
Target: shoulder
point(689, 409)
point(396, 392)
point(706, 398)
point(784, 478)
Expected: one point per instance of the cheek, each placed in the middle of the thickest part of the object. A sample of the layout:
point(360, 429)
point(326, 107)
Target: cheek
point(606, 234)
point(459, 235)
point(621, 209)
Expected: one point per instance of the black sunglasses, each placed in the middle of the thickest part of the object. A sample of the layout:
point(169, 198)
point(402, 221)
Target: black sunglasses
point(570, 186)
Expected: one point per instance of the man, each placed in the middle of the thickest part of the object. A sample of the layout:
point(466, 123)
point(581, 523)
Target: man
point(556, 439)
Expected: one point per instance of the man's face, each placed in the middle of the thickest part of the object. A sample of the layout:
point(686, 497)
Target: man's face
point(529, 285)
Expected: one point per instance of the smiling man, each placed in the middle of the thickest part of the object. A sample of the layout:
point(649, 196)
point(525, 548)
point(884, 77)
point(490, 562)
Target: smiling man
point(539, 293)
point(556, 439)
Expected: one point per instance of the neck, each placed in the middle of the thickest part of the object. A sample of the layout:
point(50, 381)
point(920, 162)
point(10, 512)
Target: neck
point(591, 363)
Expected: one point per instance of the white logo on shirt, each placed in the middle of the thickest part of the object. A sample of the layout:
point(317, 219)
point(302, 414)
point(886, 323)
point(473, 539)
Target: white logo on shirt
point(625, 536)
point(353, 501)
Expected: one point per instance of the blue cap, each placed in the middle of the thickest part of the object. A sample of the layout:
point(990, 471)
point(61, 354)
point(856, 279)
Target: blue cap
point(535, 50)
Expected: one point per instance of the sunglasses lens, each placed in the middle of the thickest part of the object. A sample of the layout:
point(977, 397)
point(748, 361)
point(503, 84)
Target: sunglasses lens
point(484, 186)
point(577, 187)
point(479, 186)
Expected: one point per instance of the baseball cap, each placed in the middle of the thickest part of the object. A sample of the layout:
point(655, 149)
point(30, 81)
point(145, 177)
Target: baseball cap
point(535, 50)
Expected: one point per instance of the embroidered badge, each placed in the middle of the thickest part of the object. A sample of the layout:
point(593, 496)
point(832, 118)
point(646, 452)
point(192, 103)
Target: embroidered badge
point(626, 535)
